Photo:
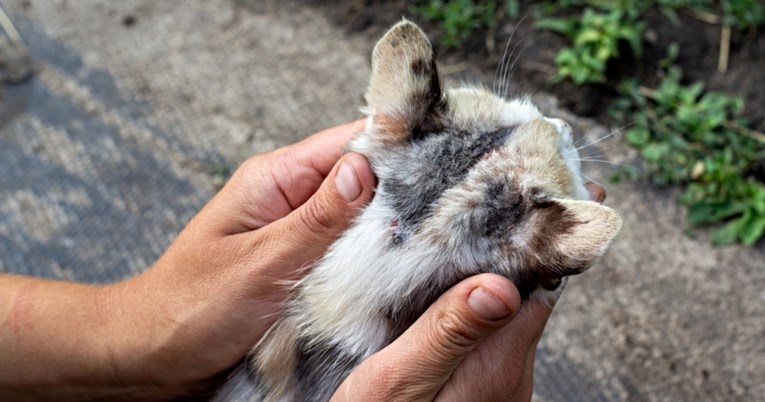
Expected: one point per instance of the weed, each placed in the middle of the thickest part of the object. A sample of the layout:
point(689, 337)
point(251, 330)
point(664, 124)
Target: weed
point(743, 14)
point(739, 14)
point(457, 19)
point(595, 40)
point(221, 174)
point(699, 140)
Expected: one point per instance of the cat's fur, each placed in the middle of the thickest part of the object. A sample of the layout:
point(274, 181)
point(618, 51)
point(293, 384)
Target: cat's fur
point(468, 183)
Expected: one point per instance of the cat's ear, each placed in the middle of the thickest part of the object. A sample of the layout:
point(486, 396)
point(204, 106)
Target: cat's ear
point(404, 94)
point(585, 231)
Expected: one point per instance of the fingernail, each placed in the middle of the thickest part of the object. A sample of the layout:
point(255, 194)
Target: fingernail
point(347, 183)
point(486, 306)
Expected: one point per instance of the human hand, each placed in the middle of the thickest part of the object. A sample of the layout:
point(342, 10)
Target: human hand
point(222, 283)
point(468, 346)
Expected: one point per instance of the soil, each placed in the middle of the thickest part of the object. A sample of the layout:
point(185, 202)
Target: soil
point(534, 52)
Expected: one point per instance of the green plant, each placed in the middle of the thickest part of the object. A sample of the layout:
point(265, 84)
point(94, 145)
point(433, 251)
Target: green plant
point(221, 174)
point(739, 14)
point(699, 140)
point(457, 19)
point(595, 38)
point(743, 14)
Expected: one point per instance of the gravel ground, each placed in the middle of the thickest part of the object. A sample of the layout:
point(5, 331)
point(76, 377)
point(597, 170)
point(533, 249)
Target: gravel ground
point(137, 106)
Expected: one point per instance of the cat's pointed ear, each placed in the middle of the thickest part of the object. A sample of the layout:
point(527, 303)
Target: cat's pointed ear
point(586, 231)
point(405, 91)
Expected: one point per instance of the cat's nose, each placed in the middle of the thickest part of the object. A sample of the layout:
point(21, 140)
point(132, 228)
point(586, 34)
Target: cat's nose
point(560, 124)
point(597, 192)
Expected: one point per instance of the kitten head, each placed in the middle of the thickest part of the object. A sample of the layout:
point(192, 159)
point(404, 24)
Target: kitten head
point(483, 183)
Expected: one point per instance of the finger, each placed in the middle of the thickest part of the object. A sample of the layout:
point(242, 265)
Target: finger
point(305, 234)
point(521, 336)
point(267, 187)
point(503, 363)
point(321, 151)
point(418, 364)
point(299, 169)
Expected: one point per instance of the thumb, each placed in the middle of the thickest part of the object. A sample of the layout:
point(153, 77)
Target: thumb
point(418, 364)
point(307, 232)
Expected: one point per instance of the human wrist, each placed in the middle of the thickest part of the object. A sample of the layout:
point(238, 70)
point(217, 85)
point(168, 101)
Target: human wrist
point(65, 341)
point(137, 317)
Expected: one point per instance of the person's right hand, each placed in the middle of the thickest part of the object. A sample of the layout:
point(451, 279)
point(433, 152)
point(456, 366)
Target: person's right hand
point(475, 343)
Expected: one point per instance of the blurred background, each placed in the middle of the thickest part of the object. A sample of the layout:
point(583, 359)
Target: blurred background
point(119, 120)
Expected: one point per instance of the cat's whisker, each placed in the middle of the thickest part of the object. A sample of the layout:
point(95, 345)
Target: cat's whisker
point(609, 135)
point(590, 179)
point(578, 143)
point(506, 58)
point(502, 61)
point(607, 162)
point(504, 78)
point(511, 70)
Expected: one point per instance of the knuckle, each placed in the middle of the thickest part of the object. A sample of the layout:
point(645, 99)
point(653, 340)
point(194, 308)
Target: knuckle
point(254, 162)
point(389, 384)
point(392, 384)
point(253, 167)
point(386, 376)
point(317, 215)
point(452, 332)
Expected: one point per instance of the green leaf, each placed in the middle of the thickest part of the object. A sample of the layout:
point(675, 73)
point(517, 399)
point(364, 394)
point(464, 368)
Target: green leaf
point(687, 116)
point(655, 151)
point(671, 15)
point(694, 91)
point(565, 26)
point(753, 229)
point(566, 56)
point(513, 8)
point(638, 136)
point(728, 234)
point(633, 34)
point(587, 36)
point(701, 213)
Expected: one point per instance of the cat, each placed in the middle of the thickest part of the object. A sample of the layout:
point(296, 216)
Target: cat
point(468, 183)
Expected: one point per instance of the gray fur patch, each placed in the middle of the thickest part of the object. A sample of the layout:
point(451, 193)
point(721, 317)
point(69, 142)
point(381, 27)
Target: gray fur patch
point(505, 205)
point(320, 370)
point(407, 309)
point(439, 162)
point(241, 386)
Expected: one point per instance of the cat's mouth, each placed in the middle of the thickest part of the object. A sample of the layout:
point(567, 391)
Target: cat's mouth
point(596, 191)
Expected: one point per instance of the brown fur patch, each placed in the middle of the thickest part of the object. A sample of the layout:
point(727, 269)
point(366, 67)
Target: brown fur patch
point(393, 130)
point(430, 103)
point(554, 222)
point(275, 358)
point(420, 67)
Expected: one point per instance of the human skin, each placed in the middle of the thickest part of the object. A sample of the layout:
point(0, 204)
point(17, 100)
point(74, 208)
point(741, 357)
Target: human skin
point(176, 329)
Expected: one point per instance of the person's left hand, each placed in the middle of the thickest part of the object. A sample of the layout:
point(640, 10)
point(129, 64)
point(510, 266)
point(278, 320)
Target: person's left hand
point(222, 283)
point(477, 342)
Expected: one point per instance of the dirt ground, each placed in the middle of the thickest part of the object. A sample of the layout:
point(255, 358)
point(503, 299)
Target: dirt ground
point(115, 142)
